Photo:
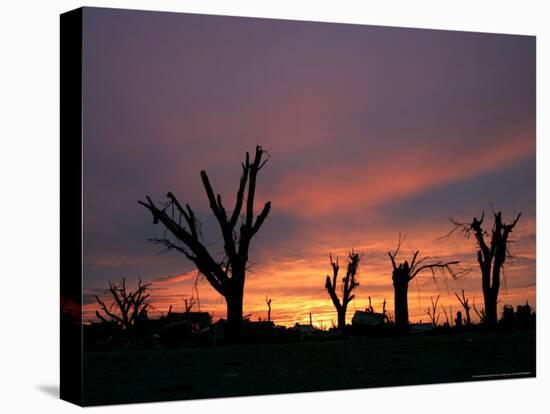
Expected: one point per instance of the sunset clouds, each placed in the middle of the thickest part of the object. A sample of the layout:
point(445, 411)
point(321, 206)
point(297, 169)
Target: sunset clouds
point(370, 131)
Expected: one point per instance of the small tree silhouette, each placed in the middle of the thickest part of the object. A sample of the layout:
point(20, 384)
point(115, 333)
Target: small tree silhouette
point(127, 306)
point(465, 304)
point(268, 302)
point(491, 257)
point(349, 283)
point(227, 276)
point(432, 312)
point(404, 272)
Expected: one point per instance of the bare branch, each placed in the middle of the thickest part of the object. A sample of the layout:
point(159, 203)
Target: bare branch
point(431, 312)
point(129, 305)
point(438, 265)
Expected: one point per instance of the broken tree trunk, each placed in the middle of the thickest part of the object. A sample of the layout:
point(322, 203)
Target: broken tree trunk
point(490, 257)
point(403, 273)
point(227, 275)
point(400, 280)
point(349, 283)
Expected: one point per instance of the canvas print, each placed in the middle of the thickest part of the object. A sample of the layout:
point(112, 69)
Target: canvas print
point(274, 206)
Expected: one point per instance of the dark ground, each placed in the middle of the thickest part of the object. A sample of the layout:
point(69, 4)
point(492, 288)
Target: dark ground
point(112, 377)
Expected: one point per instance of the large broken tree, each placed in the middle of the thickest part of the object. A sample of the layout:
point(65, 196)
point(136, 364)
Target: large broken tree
point(404, 272)
point(226, 275)
point(349, 283)
point(126, 307)
point(490, 256)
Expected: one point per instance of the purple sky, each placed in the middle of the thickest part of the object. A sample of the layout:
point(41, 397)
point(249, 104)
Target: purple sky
point(371, 131)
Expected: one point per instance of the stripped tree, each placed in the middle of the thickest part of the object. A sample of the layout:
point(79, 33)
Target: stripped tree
point(126, 307)
point(491, 256)
point(466, 305)
point(226, 275)
point(268, 302)
point(349, 283)
point(404, 272)
point(432, 312)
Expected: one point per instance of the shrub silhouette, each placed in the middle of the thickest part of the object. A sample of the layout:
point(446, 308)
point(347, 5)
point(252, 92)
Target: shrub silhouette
point(127, 306)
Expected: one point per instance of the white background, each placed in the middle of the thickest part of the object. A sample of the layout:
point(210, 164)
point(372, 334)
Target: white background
point(29, 216)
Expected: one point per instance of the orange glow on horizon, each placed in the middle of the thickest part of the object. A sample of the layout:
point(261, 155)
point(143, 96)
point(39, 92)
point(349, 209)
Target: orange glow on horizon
point(296, 285)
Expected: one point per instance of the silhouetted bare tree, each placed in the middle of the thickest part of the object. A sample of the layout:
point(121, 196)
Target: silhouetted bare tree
point(349, 283)
point(466, 305)
point(490, 256)
point(404, 272)
point(268, 302)
point(227, 276)
point(432, 312)
point(127, 306)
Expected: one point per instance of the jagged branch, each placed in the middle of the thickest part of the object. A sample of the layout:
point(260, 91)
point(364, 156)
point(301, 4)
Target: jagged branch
point(106, 310)
point(330, 285)
point(396, 252)
point(349, 283)
point(446, 266)
point(417, 266)
point(169, 245)
point(198, 255)
point(188, 214)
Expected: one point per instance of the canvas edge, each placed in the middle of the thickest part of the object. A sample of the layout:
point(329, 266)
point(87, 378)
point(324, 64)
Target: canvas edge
point(71, 206)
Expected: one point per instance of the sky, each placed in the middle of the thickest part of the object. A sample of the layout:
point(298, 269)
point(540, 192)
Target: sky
point(371, 132)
